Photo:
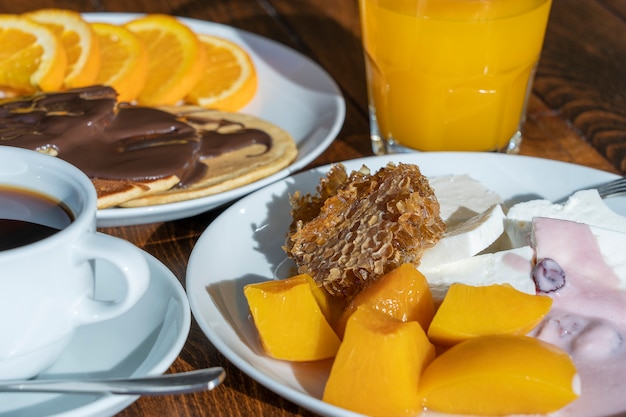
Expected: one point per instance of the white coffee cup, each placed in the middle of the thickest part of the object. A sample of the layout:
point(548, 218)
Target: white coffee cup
point(47, 287)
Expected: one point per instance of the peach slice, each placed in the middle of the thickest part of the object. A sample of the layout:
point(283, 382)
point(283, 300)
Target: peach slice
point(402, 293)
point(499, 375)
point(377, 369)
point(469, 311)
point(291, 324)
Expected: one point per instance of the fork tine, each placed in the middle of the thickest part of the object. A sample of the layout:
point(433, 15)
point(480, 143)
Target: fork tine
point(612, 188)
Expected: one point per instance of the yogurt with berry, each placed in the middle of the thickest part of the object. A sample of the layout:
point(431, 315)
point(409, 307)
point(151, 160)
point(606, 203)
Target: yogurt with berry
point(588, 315)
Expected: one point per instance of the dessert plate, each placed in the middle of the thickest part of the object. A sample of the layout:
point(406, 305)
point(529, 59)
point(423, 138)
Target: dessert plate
point(243, 245)
point(143, 341)
point(293, 93)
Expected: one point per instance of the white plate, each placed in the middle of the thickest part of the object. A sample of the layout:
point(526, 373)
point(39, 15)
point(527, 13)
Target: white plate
point(243, 245)
point(143, 341)
point(293, 93)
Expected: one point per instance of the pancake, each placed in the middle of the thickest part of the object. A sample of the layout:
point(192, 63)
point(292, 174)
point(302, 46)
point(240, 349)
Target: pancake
point(141, 156)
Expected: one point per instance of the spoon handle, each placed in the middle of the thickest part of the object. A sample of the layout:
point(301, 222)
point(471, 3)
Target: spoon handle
point(178, 383)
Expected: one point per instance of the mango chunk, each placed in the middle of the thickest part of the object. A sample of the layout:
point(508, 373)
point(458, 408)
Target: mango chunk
point(377, 369)
point(469, 311)
point(402, 293)
point(289, 320)
point(499, 375)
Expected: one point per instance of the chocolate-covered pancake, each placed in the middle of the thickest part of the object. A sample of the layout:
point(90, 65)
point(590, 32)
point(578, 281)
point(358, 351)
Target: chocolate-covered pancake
point(138, 156)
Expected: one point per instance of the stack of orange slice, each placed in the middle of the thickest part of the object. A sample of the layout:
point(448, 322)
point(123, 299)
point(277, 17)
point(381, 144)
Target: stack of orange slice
point(153, 60)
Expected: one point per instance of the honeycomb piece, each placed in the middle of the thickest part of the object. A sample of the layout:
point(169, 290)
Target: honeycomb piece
point(362, 226)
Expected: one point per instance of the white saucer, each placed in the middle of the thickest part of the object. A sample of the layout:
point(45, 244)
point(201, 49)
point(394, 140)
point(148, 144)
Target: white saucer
point(144, 341)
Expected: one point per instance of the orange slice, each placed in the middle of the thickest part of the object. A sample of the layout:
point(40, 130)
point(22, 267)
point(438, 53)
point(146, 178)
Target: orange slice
point(123, 60)
point(176, 59)
point(229, 79)
point(79, 41)
point(31, 57)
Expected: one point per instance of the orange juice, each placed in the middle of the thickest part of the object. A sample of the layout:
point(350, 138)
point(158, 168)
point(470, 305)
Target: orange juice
point(451, 74)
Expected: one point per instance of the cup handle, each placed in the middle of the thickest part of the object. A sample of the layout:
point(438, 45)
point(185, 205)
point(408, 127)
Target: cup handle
point(130, 262)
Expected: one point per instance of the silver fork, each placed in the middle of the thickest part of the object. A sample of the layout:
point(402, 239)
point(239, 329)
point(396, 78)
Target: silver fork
point(608, 189)
point(612, 188)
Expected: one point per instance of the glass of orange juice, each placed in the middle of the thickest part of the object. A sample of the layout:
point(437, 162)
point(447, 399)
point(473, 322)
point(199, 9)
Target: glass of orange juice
point(450, 75)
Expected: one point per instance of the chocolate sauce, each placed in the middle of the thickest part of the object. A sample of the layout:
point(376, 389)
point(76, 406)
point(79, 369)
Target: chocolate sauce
point(88, 129)
point(219, 136)
point(216, 142)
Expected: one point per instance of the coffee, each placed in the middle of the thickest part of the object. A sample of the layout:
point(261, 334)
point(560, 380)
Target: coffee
point(27, 216)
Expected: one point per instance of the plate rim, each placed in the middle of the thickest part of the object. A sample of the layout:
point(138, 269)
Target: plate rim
point(193, 279)
point(141, 215)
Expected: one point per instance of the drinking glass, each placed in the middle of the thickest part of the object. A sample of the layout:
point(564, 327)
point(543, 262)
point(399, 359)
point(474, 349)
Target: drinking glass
point(450, 75)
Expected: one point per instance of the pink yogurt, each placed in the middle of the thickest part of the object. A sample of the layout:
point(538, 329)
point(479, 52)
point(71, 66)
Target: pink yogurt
point(588, 317)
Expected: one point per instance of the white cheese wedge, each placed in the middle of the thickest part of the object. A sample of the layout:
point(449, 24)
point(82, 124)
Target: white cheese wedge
point(583, 207)
point(466, 239)
point(462, 197)
point(511, 266)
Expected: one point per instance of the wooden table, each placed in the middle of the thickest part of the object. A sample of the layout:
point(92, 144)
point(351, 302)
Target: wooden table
point(577, 113)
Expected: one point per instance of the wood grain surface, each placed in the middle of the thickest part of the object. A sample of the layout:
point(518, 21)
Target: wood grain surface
point(577, 113)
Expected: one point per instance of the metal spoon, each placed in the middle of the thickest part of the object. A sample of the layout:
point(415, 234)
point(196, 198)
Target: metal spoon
point(178, 383)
